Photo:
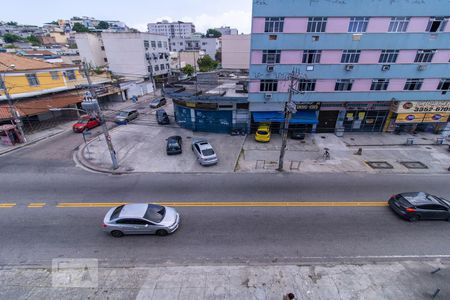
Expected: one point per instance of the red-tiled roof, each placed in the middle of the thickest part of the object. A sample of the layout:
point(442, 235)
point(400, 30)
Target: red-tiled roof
point(25, 64)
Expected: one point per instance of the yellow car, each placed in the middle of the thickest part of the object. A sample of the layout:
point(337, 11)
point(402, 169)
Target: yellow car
point(263, 133)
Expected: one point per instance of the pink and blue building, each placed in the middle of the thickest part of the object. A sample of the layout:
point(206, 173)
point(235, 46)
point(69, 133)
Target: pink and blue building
point(367, 65)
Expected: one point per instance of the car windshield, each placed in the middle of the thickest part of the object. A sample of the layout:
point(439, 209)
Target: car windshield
point(262, 132)
point(155, 213)
point(443, 201)
point(82, 121)
point(123, 113)
point(116, 212)
point(208, 152)
point(173, 145)
point(156, 101)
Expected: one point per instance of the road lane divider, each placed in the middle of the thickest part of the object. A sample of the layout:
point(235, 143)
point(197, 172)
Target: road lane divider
point(7, 205)
point(37, 205)
point(233, 204)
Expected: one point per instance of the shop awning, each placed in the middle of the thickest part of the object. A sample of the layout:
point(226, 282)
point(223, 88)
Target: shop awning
point(301, 117)
point(41, 105)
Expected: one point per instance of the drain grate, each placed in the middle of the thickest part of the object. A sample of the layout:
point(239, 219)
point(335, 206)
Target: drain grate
point(413, 165)
point(379, 165)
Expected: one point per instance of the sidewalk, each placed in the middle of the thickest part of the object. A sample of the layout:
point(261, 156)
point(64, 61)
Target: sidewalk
point(397, 280)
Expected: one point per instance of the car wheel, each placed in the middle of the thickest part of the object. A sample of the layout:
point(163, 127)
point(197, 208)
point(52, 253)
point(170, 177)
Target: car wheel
point(117, 233)
point(161, 232)
point(414, 218)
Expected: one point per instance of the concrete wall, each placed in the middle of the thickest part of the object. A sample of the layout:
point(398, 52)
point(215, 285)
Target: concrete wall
point(236, 51)
point(90, 48)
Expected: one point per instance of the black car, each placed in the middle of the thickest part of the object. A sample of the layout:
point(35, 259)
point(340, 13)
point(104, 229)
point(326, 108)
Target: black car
point(174, 145)
point(298, 135)
point(420, 206)
point(161, 117)
point(158, 102)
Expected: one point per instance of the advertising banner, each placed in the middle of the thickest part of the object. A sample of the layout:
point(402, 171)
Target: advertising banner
point(410, 118)
point(411, 107)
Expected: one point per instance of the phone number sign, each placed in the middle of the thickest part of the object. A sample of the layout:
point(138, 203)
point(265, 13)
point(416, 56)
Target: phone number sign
point(406, 107)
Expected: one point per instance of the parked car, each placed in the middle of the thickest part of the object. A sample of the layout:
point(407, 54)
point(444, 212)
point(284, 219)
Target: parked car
point(126, 115)
point(85, 123)
point(263, 133)
point(161, 117)
point(174, 145)
point(158, 102)
point(420, 206)
point(204, 152)
point(298, 134)
point(141, 219)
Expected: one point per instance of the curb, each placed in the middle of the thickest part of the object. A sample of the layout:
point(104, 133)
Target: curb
point(32, 142)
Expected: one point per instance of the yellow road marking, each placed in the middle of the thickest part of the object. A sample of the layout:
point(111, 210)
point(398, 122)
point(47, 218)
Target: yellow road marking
point(234, 204)
point(7, 205)
point(36, 205)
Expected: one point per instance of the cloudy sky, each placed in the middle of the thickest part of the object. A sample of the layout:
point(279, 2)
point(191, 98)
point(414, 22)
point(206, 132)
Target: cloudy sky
point(135, 13)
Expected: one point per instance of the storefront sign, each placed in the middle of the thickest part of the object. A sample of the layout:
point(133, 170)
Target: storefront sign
point(308, 106)
point(436, 118)
point(409, 118)
point(190, 104)
point(405, 107)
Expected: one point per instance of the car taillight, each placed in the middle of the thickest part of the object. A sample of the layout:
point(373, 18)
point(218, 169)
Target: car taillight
point(409, 209)
point(104, 225)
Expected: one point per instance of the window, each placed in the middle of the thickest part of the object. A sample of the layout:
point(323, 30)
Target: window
point(102, 48)
point(424, 56)
point(165, 44)
point(311, 56)
point(273, 37)
point(358, 24)
point(388, 56)
point(444, 85)
point(70, 75)
point(153, 44)
point(398, 24)
point(436, 24)
point(146, 44)
point(55, 75)
point(2, 84)
point(268, 86)
point(350, 56)
point(32, 79)
point(167, 66)
point(105, 59)
point(159, 44)
point(343, 85)
point(413, 84)
point(271, 56)
point(379, 84)
point(162, 67)
point(156, 68)
point(181, 43)
point(274, 25)
point(307, 85)
point(317, 24)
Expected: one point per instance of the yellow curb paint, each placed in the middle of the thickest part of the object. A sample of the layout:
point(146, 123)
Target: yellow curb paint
point(36, 205)
point(236, 204)
point(7, 205)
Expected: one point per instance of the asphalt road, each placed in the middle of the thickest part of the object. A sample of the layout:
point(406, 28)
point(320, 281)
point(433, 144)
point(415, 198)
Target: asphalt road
point(46, 173)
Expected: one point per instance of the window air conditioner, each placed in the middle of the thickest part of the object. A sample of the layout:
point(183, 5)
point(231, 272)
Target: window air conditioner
point(421, 67)
point(385, 67)
point(348, 67)
point(270, 68)
point(267, 96)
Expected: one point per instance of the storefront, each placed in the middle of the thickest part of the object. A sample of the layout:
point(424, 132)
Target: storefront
point(424, 116)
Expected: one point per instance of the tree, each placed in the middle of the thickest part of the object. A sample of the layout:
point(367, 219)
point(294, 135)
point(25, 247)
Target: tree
point(207, 64)
point(78, 27)
point(218, 56)
point(188, 70)
point(11, 38)
point(11, 23)
point(34, 40)
point(102, 25)
point(213, 33)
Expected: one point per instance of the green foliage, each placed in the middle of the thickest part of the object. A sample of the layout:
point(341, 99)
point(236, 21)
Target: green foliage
point(78, 27)
point(9, 47)
point(11, 23)
point(207, 64)
point(11, 38)
point(213, 33)
point(188, 70)
point(102, 25)
point(73, 46)
point(218, 56)
point(34, 40)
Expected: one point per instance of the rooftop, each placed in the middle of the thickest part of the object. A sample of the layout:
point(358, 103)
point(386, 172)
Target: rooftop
point(21, 63)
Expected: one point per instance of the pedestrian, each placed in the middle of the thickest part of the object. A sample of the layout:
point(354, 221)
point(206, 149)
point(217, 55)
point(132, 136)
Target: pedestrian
point(289, 296)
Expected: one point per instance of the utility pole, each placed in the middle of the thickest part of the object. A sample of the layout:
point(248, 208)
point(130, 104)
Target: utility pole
point(112, 152)
point(289, 109)
point(12, 110)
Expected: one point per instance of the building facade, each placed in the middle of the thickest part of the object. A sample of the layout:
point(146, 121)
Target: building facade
point(236, 52)
point(226, 30)
point(195, 43)
point(172, 29)
point(91, 48)
point(369, 66)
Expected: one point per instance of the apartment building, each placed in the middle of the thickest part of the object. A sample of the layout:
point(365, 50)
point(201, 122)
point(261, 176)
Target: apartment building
point(195, 43)
point(227, 30)
point(172, 29)
point(369, 66)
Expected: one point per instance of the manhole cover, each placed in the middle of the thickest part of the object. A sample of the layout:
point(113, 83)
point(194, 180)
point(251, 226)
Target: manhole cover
point(414, 165)
point(379, 165)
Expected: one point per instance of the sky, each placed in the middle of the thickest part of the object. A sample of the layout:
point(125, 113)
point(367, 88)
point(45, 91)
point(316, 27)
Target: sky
point(135, 13)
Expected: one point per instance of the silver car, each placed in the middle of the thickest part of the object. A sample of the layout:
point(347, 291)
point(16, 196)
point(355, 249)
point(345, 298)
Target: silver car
point(126, 115)
point(204, 152)
point(141, 219)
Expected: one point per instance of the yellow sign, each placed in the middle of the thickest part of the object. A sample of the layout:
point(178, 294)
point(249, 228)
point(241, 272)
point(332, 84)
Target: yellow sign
point(410, 118)
point(435, 118)
point(190, 104)
point(361, 115)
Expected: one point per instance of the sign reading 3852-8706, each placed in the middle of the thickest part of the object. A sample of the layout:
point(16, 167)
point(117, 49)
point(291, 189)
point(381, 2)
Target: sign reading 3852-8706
point(422, 106)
